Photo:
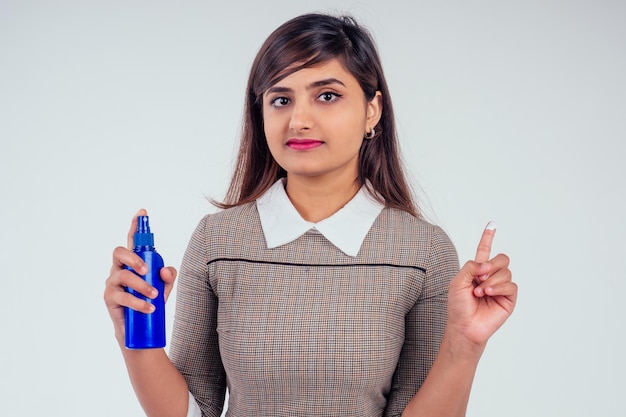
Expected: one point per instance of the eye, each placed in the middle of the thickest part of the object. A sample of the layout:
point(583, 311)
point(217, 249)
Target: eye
point(328, 97)
point(279, 102)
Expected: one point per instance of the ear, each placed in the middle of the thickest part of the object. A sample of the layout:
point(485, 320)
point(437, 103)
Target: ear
point(374, 111)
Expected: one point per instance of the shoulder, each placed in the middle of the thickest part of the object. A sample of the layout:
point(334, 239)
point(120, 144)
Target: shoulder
point(224, 221)
point(226, 225)
point(406, 228)
point(409, 239)
point(231, 231)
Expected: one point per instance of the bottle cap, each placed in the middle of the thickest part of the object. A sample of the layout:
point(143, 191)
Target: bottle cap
point(143, 237)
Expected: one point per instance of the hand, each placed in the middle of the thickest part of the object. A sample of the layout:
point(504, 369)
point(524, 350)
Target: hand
point(115, 296)
point(482, 295)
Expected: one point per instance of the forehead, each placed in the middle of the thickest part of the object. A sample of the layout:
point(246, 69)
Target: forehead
point(324, 70)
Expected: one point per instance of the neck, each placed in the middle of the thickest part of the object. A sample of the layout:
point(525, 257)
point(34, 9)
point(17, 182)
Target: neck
point(317, 199)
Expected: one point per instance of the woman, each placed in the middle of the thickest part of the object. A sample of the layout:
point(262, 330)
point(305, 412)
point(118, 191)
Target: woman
point(318, 290)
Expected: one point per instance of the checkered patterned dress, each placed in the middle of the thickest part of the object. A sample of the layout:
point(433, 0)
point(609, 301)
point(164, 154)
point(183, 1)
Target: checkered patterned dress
point(303, 329)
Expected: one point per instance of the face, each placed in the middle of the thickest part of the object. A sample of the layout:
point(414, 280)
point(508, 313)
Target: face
point(315, 120)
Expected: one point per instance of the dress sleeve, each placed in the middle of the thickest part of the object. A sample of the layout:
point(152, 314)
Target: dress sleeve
point(194, 349)
point(424, 324)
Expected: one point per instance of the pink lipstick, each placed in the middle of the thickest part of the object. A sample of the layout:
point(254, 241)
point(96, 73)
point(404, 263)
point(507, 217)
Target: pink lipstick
point(303, 144)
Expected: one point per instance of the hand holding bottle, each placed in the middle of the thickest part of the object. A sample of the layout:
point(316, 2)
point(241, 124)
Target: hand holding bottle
point(121, 279)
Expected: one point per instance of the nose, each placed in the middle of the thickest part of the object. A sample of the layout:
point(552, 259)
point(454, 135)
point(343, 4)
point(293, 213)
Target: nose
point(301, 117)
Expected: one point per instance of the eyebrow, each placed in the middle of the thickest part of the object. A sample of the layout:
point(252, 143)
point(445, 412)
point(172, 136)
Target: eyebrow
point(315, 84)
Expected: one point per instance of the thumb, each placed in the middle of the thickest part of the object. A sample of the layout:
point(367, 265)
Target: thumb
point(133, 228)
point(168, 275)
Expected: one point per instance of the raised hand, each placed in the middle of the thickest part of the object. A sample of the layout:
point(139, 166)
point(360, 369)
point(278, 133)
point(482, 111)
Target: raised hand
point(482, 295)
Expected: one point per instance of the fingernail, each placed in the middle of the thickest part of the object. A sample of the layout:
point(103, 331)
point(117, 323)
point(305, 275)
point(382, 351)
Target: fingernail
point(483, 277)
point(151, 308)
point(491, 225)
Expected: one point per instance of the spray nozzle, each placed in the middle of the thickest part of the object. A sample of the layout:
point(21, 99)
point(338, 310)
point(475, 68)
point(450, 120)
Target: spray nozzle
point(143, 237)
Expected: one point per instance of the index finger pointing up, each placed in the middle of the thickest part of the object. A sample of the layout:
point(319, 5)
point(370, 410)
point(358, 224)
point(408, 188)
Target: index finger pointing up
point(484, 246)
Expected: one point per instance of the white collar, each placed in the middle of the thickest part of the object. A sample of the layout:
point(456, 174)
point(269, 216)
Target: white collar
point(346, 229)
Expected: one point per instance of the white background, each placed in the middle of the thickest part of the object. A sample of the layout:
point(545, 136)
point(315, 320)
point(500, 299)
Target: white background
point(507, 110)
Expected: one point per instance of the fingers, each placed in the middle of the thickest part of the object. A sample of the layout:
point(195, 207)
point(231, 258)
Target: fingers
point(115, 295)
point(477, 274)
point(504, 289)
point(126, 257)
point(498, 273)
point(121, 279)
point(124, 279)
point(484, 246)
point(124, 288)
point(503, 294)
point(133, 228)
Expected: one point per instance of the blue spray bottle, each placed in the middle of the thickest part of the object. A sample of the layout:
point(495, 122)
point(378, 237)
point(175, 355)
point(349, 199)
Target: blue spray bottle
point(145, 331)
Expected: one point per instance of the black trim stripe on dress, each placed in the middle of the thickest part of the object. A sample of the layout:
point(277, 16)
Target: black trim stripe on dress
point(300, 264)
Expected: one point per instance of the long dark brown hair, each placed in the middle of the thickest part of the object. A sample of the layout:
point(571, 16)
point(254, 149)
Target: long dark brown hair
point(303, 42)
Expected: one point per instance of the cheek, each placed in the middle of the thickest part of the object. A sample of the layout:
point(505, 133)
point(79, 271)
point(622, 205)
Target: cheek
point(352, 127)
point(272, 138)
point(272, 124)
point(353, 116)
point(273, 135)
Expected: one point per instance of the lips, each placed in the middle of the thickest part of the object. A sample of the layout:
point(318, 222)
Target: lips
point(303, 144)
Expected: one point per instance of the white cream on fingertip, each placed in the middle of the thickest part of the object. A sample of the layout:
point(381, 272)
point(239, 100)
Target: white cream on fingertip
point(491, 225)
